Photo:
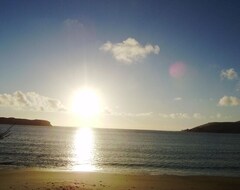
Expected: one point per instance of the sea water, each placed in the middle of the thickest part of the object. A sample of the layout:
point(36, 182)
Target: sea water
point(121, 151)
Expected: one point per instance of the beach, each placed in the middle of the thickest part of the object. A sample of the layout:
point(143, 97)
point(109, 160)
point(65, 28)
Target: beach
point(23, 179)
point(56, 158)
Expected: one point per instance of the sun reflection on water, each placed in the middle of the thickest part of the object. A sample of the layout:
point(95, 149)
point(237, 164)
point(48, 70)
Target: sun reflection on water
point(83, 150)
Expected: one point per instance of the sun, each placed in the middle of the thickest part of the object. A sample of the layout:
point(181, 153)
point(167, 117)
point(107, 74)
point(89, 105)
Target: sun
point(86, 103)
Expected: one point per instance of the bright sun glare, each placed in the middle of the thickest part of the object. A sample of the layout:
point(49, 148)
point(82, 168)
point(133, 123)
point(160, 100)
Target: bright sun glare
point(83, 150)
point(86, 103)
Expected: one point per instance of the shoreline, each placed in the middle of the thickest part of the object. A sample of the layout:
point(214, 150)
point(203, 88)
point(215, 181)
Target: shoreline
point(117, 172)
point(70, 180)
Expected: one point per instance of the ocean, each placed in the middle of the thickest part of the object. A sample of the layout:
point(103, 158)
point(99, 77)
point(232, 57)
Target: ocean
point(121, 151)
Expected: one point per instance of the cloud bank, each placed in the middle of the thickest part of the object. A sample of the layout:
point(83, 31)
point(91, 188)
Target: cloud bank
point(30, 101)
point(130, 50)
point(175, 116)
point(195, 116)
point(229, 101)
point(127, 114)
point(229, 74)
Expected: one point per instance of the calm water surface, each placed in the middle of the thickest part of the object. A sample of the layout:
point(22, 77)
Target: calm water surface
point(118, 151)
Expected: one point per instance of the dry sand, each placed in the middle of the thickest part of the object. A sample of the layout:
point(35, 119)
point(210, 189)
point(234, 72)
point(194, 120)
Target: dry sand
point(58, 180)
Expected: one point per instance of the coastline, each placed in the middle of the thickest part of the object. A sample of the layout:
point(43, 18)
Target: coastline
point(70, 180)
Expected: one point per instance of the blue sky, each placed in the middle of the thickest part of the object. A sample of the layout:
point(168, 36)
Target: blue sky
point(165, 65)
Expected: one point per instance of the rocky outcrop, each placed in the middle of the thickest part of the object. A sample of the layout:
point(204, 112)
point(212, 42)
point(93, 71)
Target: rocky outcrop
point(17, 121)
point(217, 127)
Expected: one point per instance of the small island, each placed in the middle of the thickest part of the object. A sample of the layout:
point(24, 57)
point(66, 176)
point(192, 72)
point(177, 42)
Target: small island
point(217, 127)
point(18, 121)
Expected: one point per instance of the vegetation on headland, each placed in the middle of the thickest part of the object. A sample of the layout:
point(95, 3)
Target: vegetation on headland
point(217, 127)
point(18, 121)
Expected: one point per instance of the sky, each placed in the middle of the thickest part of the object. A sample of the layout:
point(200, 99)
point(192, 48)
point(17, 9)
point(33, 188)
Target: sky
point(157, 65)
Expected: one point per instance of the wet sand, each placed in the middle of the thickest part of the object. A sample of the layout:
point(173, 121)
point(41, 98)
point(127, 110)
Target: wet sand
point(59, 180)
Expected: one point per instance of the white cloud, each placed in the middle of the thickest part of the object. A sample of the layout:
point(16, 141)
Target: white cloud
point(229, 101)
point(127, 114)
point(182, 116)
point(177, 99)
point(229, 74)
point(77, 33)
point(138, 114)
point(74, 26)
point(130, 50)
point(133, 114)
point(218, 116)
point(30, 101)
point(175, 116)
point(73, 23)
point(198, 116)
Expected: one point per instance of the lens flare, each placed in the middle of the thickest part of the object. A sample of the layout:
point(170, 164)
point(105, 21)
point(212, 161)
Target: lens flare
point(177, 70)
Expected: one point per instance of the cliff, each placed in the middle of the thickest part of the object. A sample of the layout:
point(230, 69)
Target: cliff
point(17, 121)
point(217, 127)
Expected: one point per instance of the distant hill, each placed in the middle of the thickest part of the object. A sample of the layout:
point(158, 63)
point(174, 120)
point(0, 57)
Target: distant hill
point(217, 127)
point(17, 121)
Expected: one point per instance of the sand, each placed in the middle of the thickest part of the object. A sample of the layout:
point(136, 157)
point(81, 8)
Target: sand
point(59, 180)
